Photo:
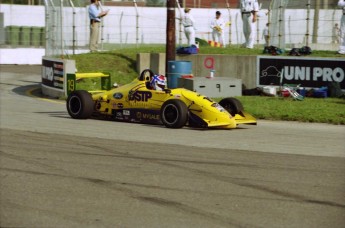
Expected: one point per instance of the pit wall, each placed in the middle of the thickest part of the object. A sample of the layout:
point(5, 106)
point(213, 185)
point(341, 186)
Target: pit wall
point(241, 67)
point(311, 72)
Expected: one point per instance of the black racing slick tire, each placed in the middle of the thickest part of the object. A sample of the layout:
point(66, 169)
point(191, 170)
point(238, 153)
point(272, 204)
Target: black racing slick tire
point(232, 105)
point(80, 104)
point(174, 114)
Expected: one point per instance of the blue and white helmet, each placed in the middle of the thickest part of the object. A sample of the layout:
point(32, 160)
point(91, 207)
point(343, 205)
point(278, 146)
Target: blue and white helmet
point(158, 82)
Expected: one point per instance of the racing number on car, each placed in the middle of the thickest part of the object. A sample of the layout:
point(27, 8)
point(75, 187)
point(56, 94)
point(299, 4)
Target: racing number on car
point(70, 85)
point(70, 79)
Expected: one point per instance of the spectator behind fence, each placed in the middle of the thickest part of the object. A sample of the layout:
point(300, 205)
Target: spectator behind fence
point(336, 34)
point(265, 34)
point(249, 9)
point(95, 15)
point(217, 26)
point(188, 23)
point(341, 3)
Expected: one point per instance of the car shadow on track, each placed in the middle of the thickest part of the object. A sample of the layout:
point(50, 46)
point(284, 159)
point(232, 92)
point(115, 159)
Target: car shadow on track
point(25, 90)
point(32, 90)
point(56, 114)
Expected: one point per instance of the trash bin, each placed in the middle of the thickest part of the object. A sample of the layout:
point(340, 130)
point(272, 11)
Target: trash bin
point(12, 35)
point(35, 38)
point(175, 70)
point(24, 37)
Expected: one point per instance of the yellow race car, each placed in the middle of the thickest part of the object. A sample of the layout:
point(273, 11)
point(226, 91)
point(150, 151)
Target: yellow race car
point(175, 108)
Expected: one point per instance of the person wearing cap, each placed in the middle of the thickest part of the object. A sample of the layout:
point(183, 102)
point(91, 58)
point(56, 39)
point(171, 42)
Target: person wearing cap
point(95, 15)
point(217, 26)
point(188, 23)
point(249, 10)
point(341, 3)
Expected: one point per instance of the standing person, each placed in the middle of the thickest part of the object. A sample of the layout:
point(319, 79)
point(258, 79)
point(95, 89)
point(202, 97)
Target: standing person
point(249, 10)
point(341, 3)
point(188, 23)
point(95, 15)
point(265, 35)
point(217, 26)
point(336, 34)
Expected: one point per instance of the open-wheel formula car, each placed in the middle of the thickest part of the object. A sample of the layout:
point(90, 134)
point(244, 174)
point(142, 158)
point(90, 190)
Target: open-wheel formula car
point(175, 108)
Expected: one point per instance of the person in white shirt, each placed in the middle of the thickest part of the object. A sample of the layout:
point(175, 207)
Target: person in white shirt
point(249, 10)
point(188, 23)
point(341, 3)
point(266, 35)
point(217, 26)
point(336, 34)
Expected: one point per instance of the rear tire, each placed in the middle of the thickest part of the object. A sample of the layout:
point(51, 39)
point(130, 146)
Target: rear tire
point(174, 114)
point(232, 105)
point(80, 104)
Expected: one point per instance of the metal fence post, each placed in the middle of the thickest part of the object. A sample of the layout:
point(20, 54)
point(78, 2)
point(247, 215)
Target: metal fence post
point(120, 27)
point(269, 24)
point(137, 23)
point(230, 32)
point(73, 27)
point(61, 21)
point(280, 35)
point(308, 20)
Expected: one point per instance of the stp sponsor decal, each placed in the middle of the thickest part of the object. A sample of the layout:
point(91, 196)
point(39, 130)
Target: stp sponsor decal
point(140, 96)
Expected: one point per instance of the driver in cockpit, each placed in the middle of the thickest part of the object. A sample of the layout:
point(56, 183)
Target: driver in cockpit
point(158, 82)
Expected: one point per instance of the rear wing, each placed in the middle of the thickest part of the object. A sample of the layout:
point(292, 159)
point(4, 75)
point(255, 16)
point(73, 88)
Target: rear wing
point(72, 80)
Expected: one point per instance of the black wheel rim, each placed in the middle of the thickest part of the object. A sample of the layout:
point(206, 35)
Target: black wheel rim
point(74, 105)
point(171, 114)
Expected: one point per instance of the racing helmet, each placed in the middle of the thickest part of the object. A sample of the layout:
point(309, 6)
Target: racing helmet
point(158, 82)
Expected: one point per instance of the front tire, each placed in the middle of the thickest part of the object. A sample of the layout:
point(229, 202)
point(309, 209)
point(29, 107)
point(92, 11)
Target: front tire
point(80, 104)
point(174, 114)
point(232, 105)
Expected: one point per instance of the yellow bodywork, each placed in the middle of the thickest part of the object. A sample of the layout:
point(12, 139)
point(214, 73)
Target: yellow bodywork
point(136, 96)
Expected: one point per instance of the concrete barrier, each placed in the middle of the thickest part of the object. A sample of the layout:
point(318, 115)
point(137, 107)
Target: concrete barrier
point(241, 67)
point(249, 68)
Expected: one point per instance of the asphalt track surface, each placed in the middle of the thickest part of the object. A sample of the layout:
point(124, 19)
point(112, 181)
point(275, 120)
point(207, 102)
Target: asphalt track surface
point(60, 172)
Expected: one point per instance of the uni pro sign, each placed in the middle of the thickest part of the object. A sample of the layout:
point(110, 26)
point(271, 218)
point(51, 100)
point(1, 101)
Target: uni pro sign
point(53, 75)
point(308, 72)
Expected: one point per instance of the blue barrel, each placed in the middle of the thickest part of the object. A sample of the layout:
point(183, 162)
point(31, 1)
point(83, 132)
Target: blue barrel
point(175, 70)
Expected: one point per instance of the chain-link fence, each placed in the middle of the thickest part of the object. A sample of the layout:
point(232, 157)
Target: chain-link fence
point(308, 25)
point(67, 27)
